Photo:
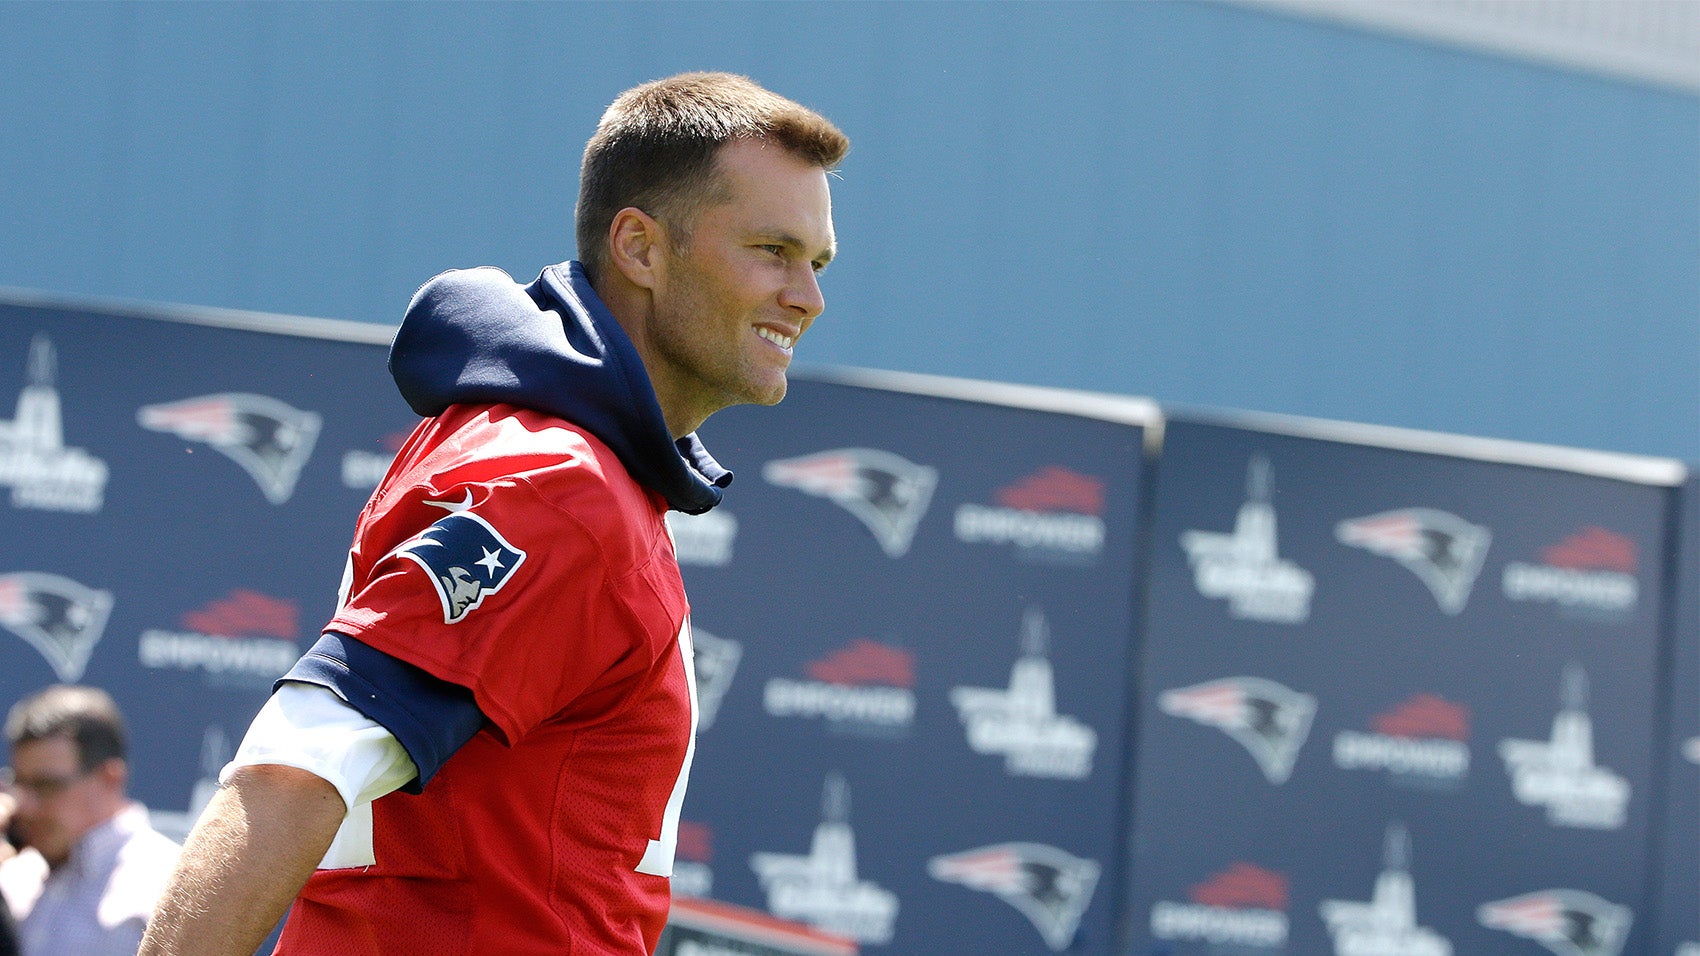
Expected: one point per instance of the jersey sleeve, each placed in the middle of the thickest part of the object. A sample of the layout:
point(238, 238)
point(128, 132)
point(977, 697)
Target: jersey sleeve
point(530, 600)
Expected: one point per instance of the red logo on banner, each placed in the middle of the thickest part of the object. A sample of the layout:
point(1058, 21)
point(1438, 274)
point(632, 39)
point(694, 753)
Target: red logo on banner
point(1593, 548)
point(1425, 715)
point(696, 841)
point(1243, 885)
point(246, 612)
point(866, 662)
point(1055, 489)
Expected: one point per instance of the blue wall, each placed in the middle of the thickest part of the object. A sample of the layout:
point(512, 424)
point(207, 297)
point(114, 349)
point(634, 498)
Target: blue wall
point(1200, 202)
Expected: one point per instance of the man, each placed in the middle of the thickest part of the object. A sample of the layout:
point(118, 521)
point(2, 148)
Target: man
point(487, 750)
point(89, 868)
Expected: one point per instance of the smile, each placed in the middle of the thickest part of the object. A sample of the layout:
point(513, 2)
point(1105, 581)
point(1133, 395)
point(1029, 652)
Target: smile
point(783, 341)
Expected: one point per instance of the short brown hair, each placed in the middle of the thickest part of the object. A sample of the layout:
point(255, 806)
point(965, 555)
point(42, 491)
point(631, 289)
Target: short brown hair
point(656, 146)
point(87, 716)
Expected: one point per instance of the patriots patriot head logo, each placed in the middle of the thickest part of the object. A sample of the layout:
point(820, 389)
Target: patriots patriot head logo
point(1568, 922)
point(716, 661)
point(1269, 720)
point(465, 556)
point(886, 492)
point(1443, 550)
point(60, 618)
point(268, 438)
point(1050, 887)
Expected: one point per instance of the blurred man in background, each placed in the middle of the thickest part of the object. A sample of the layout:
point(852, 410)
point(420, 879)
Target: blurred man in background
point(84, 866)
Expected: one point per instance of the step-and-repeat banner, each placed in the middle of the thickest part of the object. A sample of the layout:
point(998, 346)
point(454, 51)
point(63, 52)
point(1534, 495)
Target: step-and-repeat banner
point(980, 669)
point(1395, 701)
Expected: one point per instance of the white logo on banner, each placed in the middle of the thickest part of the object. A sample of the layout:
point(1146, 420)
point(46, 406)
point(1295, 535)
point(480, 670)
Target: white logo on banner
point(1387, 924)
point(1560, 774)
point(43, 473)
point(704, 539)
point(215, 753)
point(1021, 721)
point(821, 888)
point(1242, 566)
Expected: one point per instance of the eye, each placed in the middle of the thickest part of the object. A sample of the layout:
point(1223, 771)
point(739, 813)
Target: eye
point(773, 248)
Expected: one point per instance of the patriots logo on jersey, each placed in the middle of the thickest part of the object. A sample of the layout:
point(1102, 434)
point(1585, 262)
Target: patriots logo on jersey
point(268, 438)
point(60, 618)
point(466, 558)
point(1443, 550)
point(1269, 720)
point(1050, 887)
point(1568, 922)
point(886, 492)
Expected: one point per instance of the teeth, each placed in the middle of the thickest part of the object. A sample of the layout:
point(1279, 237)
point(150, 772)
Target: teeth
point(783, 341)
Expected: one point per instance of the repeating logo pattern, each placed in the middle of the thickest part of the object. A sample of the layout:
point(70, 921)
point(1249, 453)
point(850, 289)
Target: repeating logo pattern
point(1443, 550)
point(1054, 515)
point(1559, 773)
point(1270, 720)
point(866, 688)
point(62, 619)
point(1242, 566)
point(1051, 887)
point(1567, 922)
point(34, 461)
point(1020, 722)
point(1244, 562)
point(822, 887)
point(1243, 907)
point(270, 439)
point(885, 491)
point(1387, 923)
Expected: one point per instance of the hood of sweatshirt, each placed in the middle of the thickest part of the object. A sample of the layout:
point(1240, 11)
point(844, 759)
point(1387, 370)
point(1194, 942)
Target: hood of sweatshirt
point(475, 336)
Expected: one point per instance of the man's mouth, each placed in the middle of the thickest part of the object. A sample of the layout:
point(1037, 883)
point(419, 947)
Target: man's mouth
point(783, 341)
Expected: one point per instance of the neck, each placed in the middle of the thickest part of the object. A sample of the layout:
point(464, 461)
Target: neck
point(631, 306)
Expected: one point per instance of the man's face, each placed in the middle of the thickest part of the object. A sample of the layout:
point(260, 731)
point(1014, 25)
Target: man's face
point(57, 801)
point(732, 303)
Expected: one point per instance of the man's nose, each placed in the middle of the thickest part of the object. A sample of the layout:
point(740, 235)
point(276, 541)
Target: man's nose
point(802, 294)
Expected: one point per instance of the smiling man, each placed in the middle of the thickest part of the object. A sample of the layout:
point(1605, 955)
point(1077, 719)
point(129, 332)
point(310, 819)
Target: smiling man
point(488, 749)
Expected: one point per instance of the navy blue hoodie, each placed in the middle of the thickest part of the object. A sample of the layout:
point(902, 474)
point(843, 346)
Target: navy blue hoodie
point(475, 336)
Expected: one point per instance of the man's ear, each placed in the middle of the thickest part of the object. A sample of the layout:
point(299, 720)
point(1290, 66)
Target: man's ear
point(635, 246)
point(114, 772)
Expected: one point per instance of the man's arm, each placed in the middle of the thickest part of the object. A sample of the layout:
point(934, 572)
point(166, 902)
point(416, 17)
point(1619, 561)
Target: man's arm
point(256, 844)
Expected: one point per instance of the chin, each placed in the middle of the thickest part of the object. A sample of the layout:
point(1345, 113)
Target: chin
point(770, 392)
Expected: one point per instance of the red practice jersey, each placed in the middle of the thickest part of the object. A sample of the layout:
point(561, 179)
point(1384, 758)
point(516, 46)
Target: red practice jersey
point(509, 552)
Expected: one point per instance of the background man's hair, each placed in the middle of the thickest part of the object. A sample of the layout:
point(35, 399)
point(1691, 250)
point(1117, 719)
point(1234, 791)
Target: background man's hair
point(86, 715)
point(655, 149)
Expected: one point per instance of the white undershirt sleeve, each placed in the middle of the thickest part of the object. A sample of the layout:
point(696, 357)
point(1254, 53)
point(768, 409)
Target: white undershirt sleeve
point(309, 727)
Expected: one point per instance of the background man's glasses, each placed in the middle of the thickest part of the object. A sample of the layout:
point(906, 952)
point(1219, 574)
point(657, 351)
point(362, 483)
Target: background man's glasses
point(42, 788)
